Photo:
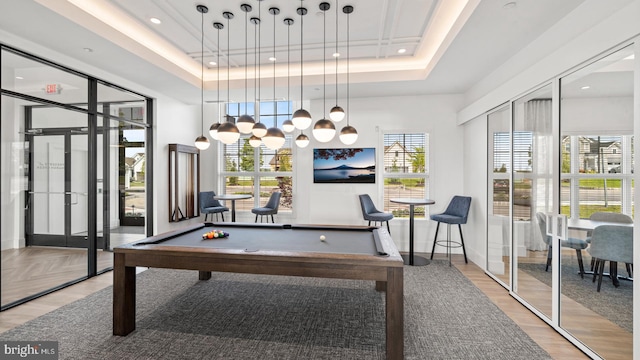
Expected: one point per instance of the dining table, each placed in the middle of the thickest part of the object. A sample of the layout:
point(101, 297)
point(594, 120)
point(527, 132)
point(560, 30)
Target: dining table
point(413, 259)
point(233, 198)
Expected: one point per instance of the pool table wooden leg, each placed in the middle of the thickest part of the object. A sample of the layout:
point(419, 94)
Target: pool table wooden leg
point(395, 313)
point(204, 275)
point(124, 296)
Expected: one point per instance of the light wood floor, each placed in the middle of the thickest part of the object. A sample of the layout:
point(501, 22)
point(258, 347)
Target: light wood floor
point(557, 346)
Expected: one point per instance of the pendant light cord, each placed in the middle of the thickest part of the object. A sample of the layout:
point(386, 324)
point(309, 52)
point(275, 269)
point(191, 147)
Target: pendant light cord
point(324, 63)
point(275, 103)
point(218, 69)
point(336, 54)
point(348, 57)
point(202, 74)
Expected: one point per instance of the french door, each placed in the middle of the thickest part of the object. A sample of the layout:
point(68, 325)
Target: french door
point(57, 199)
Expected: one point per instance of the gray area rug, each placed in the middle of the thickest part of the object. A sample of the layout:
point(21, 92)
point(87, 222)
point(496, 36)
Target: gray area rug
point(241, 316)
point(615, 304)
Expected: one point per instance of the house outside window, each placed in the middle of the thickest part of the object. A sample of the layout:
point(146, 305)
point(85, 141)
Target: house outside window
point(598, 175)
point(259, 171)
point(405, 171)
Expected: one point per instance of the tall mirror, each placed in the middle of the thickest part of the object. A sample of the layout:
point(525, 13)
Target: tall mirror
point(499, 167)
point(597, 188)
point(532, 196)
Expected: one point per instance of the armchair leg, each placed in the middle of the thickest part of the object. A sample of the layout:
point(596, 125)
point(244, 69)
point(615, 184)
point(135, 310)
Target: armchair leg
point(256, 218)
point(579, 255)
point(548, 258)
point(435, 238)
point(595, 270)
point(388, 230)
point(272, 219)
point(205, 216)
point(601, 271)
point(222, 215)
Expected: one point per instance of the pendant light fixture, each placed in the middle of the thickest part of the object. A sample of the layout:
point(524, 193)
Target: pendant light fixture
point(337, 113)
point(348, 134)
point(274, 138)
point(245, 122)
point(324, 130)
point(259, 129)
point(301, 118)
point(228, 132)
point(287, 125)
point(202, 143)
point(213, 130)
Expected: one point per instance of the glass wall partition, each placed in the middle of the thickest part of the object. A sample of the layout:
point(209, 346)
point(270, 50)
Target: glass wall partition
point(597, 183)
point(62, 150)
point(532, 196)
point(498, 192)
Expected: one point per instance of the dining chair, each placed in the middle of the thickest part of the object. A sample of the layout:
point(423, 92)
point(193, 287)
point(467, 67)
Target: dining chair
point(613, 243)
point(612, 218)
point(371, 213)
point(271, 208)
point(572, 243)
point(209, 205)
point(456, 213)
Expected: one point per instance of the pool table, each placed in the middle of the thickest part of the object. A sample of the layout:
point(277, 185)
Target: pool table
point(346, 252)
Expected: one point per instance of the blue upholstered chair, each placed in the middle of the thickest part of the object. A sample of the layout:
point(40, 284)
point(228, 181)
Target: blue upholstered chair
point(612, 218)
point(613, 243)
point(456, 213)
point(370, 213)
point(271, 208)
point(572, 243)
point(209, 205)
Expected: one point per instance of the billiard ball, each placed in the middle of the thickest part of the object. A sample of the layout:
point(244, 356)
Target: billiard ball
point(322, 238)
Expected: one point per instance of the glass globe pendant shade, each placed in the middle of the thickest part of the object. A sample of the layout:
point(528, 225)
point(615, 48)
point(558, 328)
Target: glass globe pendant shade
point(301, 119)
point(202, 143)
point(255, 141)
point(259, 129)
point(274, 138)
point(245, 124)
point(228, 133)
point(288, 126)
point(302, 141)
point(336, 114)
point(324, 130)
point(348, 135)
point(213, 131)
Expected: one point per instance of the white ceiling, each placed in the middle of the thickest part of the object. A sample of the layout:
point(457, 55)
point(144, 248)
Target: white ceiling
point(451, 44)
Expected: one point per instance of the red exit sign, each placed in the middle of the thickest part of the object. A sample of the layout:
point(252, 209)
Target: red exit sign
point(52, 89)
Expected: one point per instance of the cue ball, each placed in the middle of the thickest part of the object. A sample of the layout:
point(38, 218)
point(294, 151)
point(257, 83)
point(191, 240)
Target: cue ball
point(322, 238)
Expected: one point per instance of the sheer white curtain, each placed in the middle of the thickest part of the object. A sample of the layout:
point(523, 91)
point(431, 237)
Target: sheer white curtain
point(538, 120)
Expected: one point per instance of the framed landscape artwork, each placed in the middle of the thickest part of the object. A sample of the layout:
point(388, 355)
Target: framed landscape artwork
point(345, 165)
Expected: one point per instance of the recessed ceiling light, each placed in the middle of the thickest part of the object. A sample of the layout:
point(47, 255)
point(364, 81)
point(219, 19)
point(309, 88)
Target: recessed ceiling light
point(630, 57)
point(213, 63)
point(402, 51)
point(585, 87)
point(336, 54)
point(509, 5)
point(272, 58)
point(19, 77)
point(155, 20)
point(88, 49)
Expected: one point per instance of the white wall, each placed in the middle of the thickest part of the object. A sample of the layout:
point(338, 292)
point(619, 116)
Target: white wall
point(339, 204)
point(475, 185)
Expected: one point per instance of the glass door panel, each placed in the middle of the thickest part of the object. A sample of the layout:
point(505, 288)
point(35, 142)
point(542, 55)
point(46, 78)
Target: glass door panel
point(532, 194)
point(499, 188)
point(597, 178)
point(48, 189)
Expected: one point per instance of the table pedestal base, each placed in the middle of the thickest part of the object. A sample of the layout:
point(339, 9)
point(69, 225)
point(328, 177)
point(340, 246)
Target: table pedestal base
point(417, 260)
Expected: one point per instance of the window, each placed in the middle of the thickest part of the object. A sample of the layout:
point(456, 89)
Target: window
point(405, 171)
point(597, 177)
point(244, 166)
